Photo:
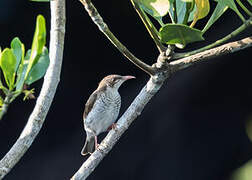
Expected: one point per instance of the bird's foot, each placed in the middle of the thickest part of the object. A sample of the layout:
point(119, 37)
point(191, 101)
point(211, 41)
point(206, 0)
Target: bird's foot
point(113, 126)
point(97, 146)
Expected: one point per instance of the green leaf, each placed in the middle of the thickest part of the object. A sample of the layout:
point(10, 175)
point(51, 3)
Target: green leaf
point(38, 43)
point(39, 69)
point(156, 8)
point(231, 4)
point(8, 64)
point(18, 50)
point(218, 11)
point(21, 74)
point(250, 2)
point(22, 71)
point(1, 101)
point(203, 8)
point(181, 10)
point(179, 34)
point(191, 16)
point(4, 89)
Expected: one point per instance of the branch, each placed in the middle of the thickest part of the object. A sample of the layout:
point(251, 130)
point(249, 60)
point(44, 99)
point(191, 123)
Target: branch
point(152, 87)
point(48, 90)
point(103, 27)
point(240, 29)
point(122, 125)
point(149, 26)
point(163, 72)
point(5, 105)
point(211, 53)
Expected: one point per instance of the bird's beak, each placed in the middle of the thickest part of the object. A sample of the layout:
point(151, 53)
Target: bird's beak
point(128, 77)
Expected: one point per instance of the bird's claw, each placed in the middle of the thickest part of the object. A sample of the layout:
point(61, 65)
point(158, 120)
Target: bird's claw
point(113, 126)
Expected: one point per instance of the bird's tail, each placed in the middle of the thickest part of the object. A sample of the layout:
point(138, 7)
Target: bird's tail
point(89, 146)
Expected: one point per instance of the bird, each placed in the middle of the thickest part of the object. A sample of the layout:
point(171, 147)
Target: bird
point(101, 110)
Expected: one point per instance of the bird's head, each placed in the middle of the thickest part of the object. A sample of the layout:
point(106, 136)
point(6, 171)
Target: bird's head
point(114, 81)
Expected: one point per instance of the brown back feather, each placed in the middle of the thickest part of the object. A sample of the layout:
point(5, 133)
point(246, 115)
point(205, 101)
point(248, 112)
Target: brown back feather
point(89, 104)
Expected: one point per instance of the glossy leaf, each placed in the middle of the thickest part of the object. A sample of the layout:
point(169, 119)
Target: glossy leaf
point(191, 16)
point(181, 11)
point(22, 71)
point(179, 34)
point(17, 48)
point(8, 64)
point(202, 10)
point(218, 11)
point(38, 43)
point(156, 8)
point(39, 69)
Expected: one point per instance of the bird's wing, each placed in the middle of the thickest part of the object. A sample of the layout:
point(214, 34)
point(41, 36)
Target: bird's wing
point(89, 104)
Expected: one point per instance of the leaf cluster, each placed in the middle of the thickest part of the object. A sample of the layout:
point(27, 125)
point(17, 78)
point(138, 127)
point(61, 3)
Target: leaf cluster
point(20, 69)
point(183, 15)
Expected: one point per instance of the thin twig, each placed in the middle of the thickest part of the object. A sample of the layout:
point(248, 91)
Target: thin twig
point(244, 26)
point(97, 19)
point(5, 105)
point(149, 26)
point(211, 53)
point(244, 8)
point(48, 90)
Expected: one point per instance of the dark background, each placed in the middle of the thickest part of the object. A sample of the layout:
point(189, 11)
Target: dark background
point(193, 129)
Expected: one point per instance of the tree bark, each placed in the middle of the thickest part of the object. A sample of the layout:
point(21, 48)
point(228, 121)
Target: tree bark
point(48, 90)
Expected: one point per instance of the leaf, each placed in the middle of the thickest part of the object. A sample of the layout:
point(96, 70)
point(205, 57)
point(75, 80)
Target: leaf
point(202, 10)
point(39, 69)
point(181, 10)
point(21, 75)
point(8, 64)
point(250, 2)
point(179, 34)
point(1, 101)
point(18, 50)
point(191, 16)
point(22, 71)
point(231, 4)
point(218, 11)
point(38, 43)
point(156, 8)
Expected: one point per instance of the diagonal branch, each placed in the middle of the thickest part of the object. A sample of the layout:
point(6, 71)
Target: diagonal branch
point(48, 90)
point(211, 53)
point(152, 87)
point(162, 73)
point(97, 19)
point(122, 125)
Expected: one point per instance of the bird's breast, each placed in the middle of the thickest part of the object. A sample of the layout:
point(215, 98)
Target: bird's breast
point(104, 112)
